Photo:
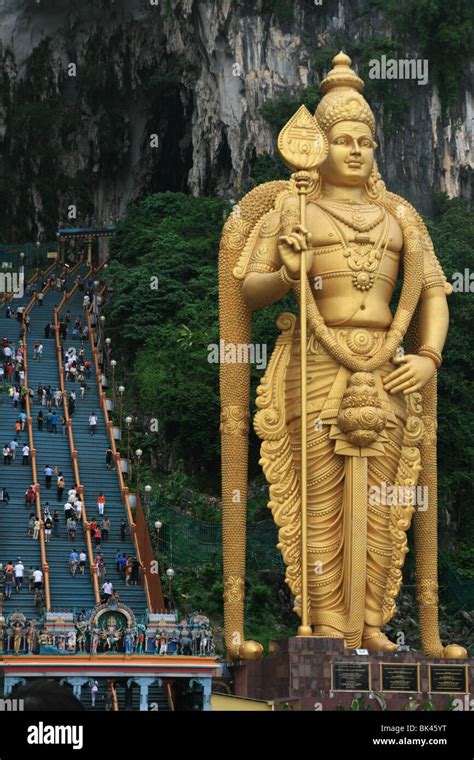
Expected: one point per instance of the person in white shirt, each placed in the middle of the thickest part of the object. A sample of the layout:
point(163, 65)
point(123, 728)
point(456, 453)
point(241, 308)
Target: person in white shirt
point(82, 561)
point(94, 687)
point(107, 589)
point(78, 508)
point(19, 571)
point(71, 496)
point(92, 423)
point(26, 454)
point(38, 578)
point(67, 510)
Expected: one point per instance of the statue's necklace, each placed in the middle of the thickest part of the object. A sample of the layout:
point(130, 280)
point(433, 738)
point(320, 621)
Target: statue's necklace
point(364, 257)
point(352, 215)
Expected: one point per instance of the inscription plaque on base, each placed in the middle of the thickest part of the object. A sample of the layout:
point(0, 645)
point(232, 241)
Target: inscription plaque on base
point(401, 676)
point(351, 676)
point(447, 679)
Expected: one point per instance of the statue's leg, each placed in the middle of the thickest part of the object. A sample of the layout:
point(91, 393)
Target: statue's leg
point(326, 549)
point(382, 472)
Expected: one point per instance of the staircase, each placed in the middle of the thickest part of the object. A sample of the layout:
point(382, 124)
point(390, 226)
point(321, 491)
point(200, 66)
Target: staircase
point(14, 541)
point(157, 699)
point(96, 478)
point(67, 592)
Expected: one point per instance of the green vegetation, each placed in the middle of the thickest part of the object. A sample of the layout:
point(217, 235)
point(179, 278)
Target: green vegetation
point(283, 10)
point(442, 32)
point(279, 110)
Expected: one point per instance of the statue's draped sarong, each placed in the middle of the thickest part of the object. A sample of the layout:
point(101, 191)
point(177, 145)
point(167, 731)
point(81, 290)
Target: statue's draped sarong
point(349, 537)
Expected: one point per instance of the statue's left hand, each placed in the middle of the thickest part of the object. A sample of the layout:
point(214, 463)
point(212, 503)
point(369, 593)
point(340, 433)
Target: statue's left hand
point(412, 374)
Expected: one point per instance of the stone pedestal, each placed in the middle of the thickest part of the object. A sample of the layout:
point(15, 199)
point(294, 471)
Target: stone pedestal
point(299, 672)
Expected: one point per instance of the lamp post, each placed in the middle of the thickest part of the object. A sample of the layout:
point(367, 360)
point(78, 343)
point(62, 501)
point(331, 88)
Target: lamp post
point(113, 364)
point(121, 390)
point(158, 525)
point(108, 342)
point(170, 574)
point(138, 454)
point(128, 422)
point(148, 490)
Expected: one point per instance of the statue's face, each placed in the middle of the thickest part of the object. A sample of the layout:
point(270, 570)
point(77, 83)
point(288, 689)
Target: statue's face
point(351, 154)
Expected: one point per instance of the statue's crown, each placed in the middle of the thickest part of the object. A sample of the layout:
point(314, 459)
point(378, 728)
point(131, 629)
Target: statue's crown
point(342, 100)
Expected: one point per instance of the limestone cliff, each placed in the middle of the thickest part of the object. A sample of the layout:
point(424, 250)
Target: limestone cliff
point(195, 73)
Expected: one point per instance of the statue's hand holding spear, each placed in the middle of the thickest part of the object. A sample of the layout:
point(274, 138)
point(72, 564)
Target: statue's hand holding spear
point(303, 147)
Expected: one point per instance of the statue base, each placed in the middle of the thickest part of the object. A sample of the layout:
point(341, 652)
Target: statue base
point(319, 674)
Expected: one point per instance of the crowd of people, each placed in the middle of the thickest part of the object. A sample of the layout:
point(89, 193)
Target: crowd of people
point(51, 417)
point(13, 575)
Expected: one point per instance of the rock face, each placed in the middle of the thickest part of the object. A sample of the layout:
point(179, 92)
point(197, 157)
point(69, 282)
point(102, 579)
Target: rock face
point(103, 102)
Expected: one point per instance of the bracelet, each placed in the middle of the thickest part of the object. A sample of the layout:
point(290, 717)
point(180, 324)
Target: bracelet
point(431, 353)
point(285, 277)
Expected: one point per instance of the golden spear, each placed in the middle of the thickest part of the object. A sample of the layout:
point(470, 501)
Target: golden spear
point(303, 146)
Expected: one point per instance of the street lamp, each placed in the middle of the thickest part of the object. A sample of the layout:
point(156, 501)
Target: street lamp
point(148, 490)
point(128, 422)
point(121, 390)
point(158, 526)
point(170, 574)
point(22, 267)
point(108, 342)
point(138, 454)
point(113, 364)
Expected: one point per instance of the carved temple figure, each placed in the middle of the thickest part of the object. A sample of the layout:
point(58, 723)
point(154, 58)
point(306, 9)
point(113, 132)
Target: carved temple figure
point(18, 632)
point(364, 381)
point(140, 641)
point(95, 641)
point(31, 638)
point(81, 636)
point(129, 640)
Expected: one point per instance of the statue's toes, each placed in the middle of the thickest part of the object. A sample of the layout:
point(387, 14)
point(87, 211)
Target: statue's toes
point(455, 652)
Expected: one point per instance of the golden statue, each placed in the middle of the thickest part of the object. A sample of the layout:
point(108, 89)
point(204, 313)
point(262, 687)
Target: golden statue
point(337, 237)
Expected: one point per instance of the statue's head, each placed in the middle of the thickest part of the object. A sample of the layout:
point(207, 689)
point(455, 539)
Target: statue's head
point(349, 124)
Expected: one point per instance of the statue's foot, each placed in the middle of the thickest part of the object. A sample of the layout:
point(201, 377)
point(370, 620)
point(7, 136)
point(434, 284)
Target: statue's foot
point(327, 632)
point(454, 651)
point(375, 641)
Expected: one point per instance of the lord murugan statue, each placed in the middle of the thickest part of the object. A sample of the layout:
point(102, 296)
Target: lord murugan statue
point(362, 380)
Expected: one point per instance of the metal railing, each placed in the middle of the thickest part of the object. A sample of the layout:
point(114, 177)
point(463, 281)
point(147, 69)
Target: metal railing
point(72, 448)
point(124, 490)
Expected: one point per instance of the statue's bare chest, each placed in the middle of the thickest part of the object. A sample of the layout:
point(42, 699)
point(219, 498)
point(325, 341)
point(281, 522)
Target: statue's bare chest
point(362, 243)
